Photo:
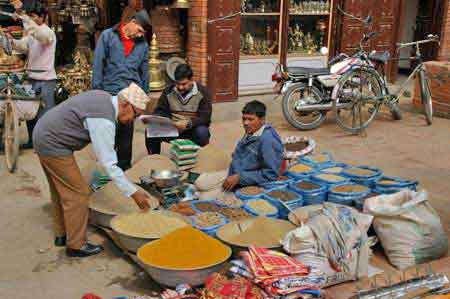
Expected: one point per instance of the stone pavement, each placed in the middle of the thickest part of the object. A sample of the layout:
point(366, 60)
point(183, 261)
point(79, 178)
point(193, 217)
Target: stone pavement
point(30, 267)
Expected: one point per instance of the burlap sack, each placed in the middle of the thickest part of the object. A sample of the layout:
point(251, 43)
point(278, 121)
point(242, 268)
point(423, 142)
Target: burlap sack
point(147, 164)
point(211, 159)
point(409, 229)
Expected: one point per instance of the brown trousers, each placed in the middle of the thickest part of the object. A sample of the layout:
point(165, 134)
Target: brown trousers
point(70, 198)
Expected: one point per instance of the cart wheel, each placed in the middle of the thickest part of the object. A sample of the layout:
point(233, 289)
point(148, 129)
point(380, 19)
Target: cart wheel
point(11, 136)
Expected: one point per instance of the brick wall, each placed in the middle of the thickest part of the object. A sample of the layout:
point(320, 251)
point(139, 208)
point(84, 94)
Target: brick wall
point(197, 43)
point(444, 52)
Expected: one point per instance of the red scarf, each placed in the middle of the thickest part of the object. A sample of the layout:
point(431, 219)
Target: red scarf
point(128, 43)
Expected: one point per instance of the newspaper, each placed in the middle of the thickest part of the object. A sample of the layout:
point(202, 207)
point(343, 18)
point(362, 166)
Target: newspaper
point(158, 126)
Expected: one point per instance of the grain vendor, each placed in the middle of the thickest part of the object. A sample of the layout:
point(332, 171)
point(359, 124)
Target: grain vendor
point(188, 104)
point(258, 156)
point(89, 117)
point(121, 57)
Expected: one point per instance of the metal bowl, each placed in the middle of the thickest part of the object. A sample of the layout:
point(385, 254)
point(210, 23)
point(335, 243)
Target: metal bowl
point(100, 218)
point(172, 277)
point(165, 178)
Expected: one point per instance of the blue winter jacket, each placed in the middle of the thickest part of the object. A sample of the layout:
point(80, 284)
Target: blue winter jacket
point(257, 159)
point(112, 71)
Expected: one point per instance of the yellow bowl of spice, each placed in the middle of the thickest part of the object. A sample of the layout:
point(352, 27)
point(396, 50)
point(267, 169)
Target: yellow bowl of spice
point(185, 255)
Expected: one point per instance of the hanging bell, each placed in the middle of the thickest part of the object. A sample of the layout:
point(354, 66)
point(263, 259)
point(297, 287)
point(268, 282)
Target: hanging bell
point(181, 4)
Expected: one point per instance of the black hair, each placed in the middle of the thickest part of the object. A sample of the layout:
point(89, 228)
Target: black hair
point(255, 108)
point(183, 71)
point(37, 9)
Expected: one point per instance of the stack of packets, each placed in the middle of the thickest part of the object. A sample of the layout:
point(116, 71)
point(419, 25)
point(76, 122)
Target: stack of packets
point(184, 153)
point(278, 274)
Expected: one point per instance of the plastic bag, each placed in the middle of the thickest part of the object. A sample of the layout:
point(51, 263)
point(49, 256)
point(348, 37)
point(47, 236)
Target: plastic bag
point(409, 229)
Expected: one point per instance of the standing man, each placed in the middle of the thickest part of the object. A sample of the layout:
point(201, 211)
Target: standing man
point(121, 57)
point(90, 117)
point(188, 104)
point(258, 155)
point(39, 43)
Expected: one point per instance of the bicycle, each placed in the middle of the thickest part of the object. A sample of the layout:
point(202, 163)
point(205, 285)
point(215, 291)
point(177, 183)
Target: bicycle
point(363, 87)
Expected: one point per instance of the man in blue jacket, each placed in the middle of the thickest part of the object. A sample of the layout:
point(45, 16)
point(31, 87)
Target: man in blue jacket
point(121, 58)
point(258, 155)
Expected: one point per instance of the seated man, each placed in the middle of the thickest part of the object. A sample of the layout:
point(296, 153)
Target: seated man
point(187, 103)
point(258, 155)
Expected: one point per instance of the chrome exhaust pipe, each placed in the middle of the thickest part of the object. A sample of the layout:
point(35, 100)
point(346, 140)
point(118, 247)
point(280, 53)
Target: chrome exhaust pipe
point(320, 107)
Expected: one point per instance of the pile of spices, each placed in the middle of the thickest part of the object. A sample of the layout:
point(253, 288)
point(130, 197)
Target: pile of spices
point(298, 168)
point(283, 195)
point(183, 208)
point(234, 214)
point(360, 172)
point(262, 232)
point(336, 169)
point(307, 186)
point(262, 207)
point(183, 249)
point(296, 146)
point(208, 219)
point(230, 200)
point(206, 206)
point(251, 190)
point(149, 225)
point(349, 188)
point(330, 177)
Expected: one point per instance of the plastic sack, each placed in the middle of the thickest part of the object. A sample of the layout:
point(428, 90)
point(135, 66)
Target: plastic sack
point(334, 241)
point(408, 228)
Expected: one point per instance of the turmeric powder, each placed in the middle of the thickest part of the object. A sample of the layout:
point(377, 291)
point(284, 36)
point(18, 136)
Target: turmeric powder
point(184, 249)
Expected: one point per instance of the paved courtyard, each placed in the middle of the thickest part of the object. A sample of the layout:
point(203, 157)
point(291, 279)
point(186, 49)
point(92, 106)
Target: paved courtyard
point(30, 267)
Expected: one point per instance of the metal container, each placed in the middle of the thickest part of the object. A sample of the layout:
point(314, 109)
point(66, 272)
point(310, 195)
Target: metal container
point(165, 178)
point(100, 218)
point(172, 277)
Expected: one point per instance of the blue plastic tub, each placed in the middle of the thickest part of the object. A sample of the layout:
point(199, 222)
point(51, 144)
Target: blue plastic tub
point(319, 160)
point(347, 197)
point(294, 203)
point(389, 185)
point(334, 168)
point(210, 230)
point(368, 176)
point(311, 196)
point(277, 184)
point(239, 194)
point(300, 174)
point(255, 213)
point(329, 180)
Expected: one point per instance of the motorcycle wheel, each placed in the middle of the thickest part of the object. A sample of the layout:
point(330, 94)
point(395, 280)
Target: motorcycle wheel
point(302, 120)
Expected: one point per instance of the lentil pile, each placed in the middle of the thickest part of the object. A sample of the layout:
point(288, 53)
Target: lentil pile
point(230, 200)
point(251, 190)
point(360, 172)
point(330, 178)
point(206, 206)
point(283, 195)
point(350, 188)
point(298, 168)
point(296, 146)
point(183, 249)
point(307, 186)
point(234, 214)
point(149, 225)
point(387, 182)
point(262, 207)
point(334, 169)
point(183, 208)
point(208, 219)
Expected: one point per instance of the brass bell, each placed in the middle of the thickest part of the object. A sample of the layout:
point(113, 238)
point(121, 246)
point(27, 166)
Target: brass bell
point(156, 80)
point(181, 4)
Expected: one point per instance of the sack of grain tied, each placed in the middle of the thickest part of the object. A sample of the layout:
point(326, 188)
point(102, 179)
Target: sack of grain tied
point(184, 153)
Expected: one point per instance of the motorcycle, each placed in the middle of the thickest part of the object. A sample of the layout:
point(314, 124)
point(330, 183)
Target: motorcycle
point(307, 92)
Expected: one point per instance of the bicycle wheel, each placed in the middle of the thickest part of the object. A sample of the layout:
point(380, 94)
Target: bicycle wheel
point(357, 99)
point(292, 103)
point(426, 97)
point(11, 135)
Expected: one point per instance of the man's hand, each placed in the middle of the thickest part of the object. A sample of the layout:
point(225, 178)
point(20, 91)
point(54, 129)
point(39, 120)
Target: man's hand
point(231, 182)
point(181, 125)
point(143, 201)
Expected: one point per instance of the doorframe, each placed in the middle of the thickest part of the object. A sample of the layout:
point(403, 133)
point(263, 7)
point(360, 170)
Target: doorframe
point(393, 72)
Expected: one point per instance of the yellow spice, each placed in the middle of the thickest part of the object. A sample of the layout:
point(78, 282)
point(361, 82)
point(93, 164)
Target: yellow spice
point(300, 168)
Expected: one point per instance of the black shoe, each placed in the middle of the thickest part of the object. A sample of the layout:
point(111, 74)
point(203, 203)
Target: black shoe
point(87, 250)
point(60, 241)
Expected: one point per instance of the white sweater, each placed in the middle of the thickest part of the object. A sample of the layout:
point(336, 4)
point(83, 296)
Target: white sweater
point(39, 42)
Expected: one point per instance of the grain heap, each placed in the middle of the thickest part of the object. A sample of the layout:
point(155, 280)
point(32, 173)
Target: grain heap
point(262, 232)
point(206, 206)
point(230, 200)
point(335, 169)
point(183, 249)
point(387, 182)
point(299, 168)
point(357, 171)
point(349, 188)
point(319, 158)
point(330, 177)
point(251, 191)
point(208, 219)
point(296, 146)
point(184, 153)
point(146, 165)
point(262, 207)
point(110, 200)
point(149, 225)
point(183, 208)
point(234, 214)
point(283, 195)
point(307, 186)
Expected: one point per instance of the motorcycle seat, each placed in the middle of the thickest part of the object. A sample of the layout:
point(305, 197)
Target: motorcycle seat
point(380, 56)
point(307, 71)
